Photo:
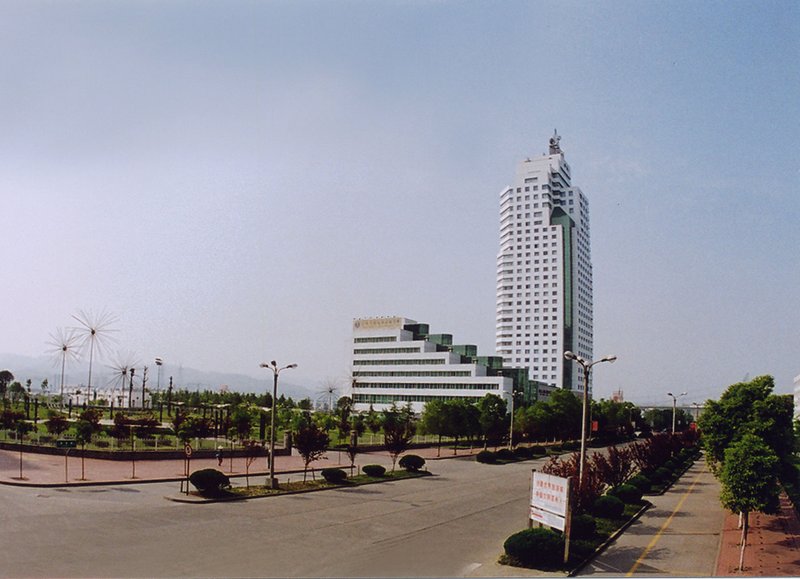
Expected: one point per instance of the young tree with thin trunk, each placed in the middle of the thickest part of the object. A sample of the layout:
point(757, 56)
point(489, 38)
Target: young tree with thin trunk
point(311, 442)
point(398, 429)
point(749, 478)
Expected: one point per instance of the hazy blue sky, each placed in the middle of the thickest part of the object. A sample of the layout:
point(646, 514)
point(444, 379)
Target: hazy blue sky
point(238, 180)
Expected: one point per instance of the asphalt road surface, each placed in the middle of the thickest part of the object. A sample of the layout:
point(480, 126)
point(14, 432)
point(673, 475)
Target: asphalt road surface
point(451, 524)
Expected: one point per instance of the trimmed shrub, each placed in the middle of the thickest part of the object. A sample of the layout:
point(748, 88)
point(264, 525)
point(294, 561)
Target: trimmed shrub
point(538, 547)
point(556, 448)
point(102, 443)
point(662, 475)
point(375, 470)
point(333, 475)
point(486, 457)
point(581, 548)
point(608, 507)
point(571, 445)
point(627, 493)
point(583, 527)
point(210, 482)
point(538, 450)
point(412, 462)
point(505, 454)
point(522, 452)
point(670, 465)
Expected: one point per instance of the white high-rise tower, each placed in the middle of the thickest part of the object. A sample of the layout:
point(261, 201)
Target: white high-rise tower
point(544, 272)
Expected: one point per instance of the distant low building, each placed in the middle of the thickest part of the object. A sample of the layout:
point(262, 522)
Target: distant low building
point(397, 360)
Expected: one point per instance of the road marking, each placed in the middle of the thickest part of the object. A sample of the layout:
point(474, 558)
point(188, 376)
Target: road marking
point(665, 525)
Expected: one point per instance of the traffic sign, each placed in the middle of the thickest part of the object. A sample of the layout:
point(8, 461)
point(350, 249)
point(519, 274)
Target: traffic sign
point(66, 443)
point(188, 450)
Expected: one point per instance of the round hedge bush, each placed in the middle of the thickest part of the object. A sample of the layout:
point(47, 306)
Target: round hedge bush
point(670, 465)
point(571, 445)
point(583, 527)
point(375, 470)
point(486, 457)
point(210, 482)
point(662, 474)
point(627, 493)
point(412, 462)
point(505, 454)
point(522, 452)
point(641, 482)
point(538, 547)
point(334, 475)
point(608, 507)
point(538, 450)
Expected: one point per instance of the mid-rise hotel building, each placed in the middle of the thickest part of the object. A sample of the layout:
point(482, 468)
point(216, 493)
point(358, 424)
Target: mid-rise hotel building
point(544, 272)
point(397, 360)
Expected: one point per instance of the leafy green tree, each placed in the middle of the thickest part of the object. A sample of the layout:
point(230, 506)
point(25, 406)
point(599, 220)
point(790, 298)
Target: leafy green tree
point(373, 420)
point(344, 409)
point(311, 442)
point(399, 427)
point(44, 386)
point(434, 421)
point(16, 391)
point(242, 421)
point(6, 377)
point(535, 421)
point(305, 404)
point(747, 407)
point(56, 423)
point(492, 419)
point(749, 478)
point(84, 431)
point(565, 414)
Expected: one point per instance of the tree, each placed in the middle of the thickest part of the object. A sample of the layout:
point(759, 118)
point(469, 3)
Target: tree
point(373, 420)
point(84, 430)
point(6, 377)
point(492, 419)
point(398, 430)
point(311, 442)
point(747, 408)
point(242, 421)
point(344, 408)
point(56, 423)
point(566, 410)
point(16, 391)
point(434, 421)
point(22, 428)
point(749, 478)
point(44, 386)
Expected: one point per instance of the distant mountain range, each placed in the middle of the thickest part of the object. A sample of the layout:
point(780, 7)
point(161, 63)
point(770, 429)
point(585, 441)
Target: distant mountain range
point(39, 368)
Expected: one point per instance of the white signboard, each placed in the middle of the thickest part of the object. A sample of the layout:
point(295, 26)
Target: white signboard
point(548, 519)
point(549, 493)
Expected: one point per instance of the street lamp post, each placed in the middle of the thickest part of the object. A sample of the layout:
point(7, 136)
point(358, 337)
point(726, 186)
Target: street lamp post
point(273, 484)
point(675, 406)
point(511, 427)
point(587, 367)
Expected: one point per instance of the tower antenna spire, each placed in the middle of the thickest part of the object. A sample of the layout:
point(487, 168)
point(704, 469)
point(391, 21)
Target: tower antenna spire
point(555, 148)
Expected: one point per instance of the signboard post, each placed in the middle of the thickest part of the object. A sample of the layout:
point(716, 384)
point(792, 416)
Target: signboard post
point(67, 445)
point(551, 504)
point(187, 449)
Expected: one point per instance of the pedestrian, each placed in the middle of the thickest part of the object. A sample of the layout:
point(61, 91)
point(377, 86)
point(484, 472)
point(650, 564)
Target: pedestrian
point(219, 456)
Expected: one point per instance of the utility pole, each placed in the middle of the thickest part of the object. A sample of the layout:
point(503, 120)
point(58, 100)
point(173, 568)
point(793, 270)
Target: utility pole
point(144, 381)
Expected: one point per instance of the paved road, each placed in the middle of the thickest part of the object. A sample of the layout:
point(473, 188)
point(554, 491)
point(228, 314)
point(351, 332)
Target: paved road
point(679, 536)
point(452, 524)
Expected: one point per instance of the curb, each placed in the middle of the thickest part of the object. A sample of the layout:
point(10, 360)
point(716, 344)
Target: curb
point(129, 481)
point(604, 545)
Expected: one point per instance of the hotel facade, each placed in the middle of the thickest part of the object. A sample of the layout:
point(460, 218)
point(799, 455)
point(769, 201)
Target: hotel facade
point(544, 272)
point(397, 360)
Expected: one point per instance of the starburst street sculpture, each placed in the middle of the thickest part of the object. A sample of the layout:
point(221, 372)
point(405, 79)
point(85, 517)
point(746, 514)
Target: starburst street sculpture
point(65, 346)
point(96, 331)
point(121, 366)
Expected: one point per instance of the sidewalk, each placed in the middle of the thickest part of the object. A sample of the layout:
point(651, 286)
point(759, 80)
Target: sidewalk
point(773, 545)
point(50, 470)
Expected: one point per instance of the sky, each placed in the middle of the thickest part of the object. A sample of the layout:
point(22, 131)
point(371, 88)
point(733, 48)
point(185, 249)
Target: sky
point(235, 182)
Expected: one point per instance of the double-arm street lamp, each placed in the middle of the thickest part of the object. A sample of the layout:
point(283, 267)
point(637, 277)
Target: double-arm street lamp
point(587, 367)
point(273, 483)
point(675, 406)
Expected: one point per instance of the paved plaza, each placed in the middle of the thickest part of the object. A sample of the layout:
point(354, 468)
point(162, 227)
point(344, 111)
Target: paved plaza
point(450, 524)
